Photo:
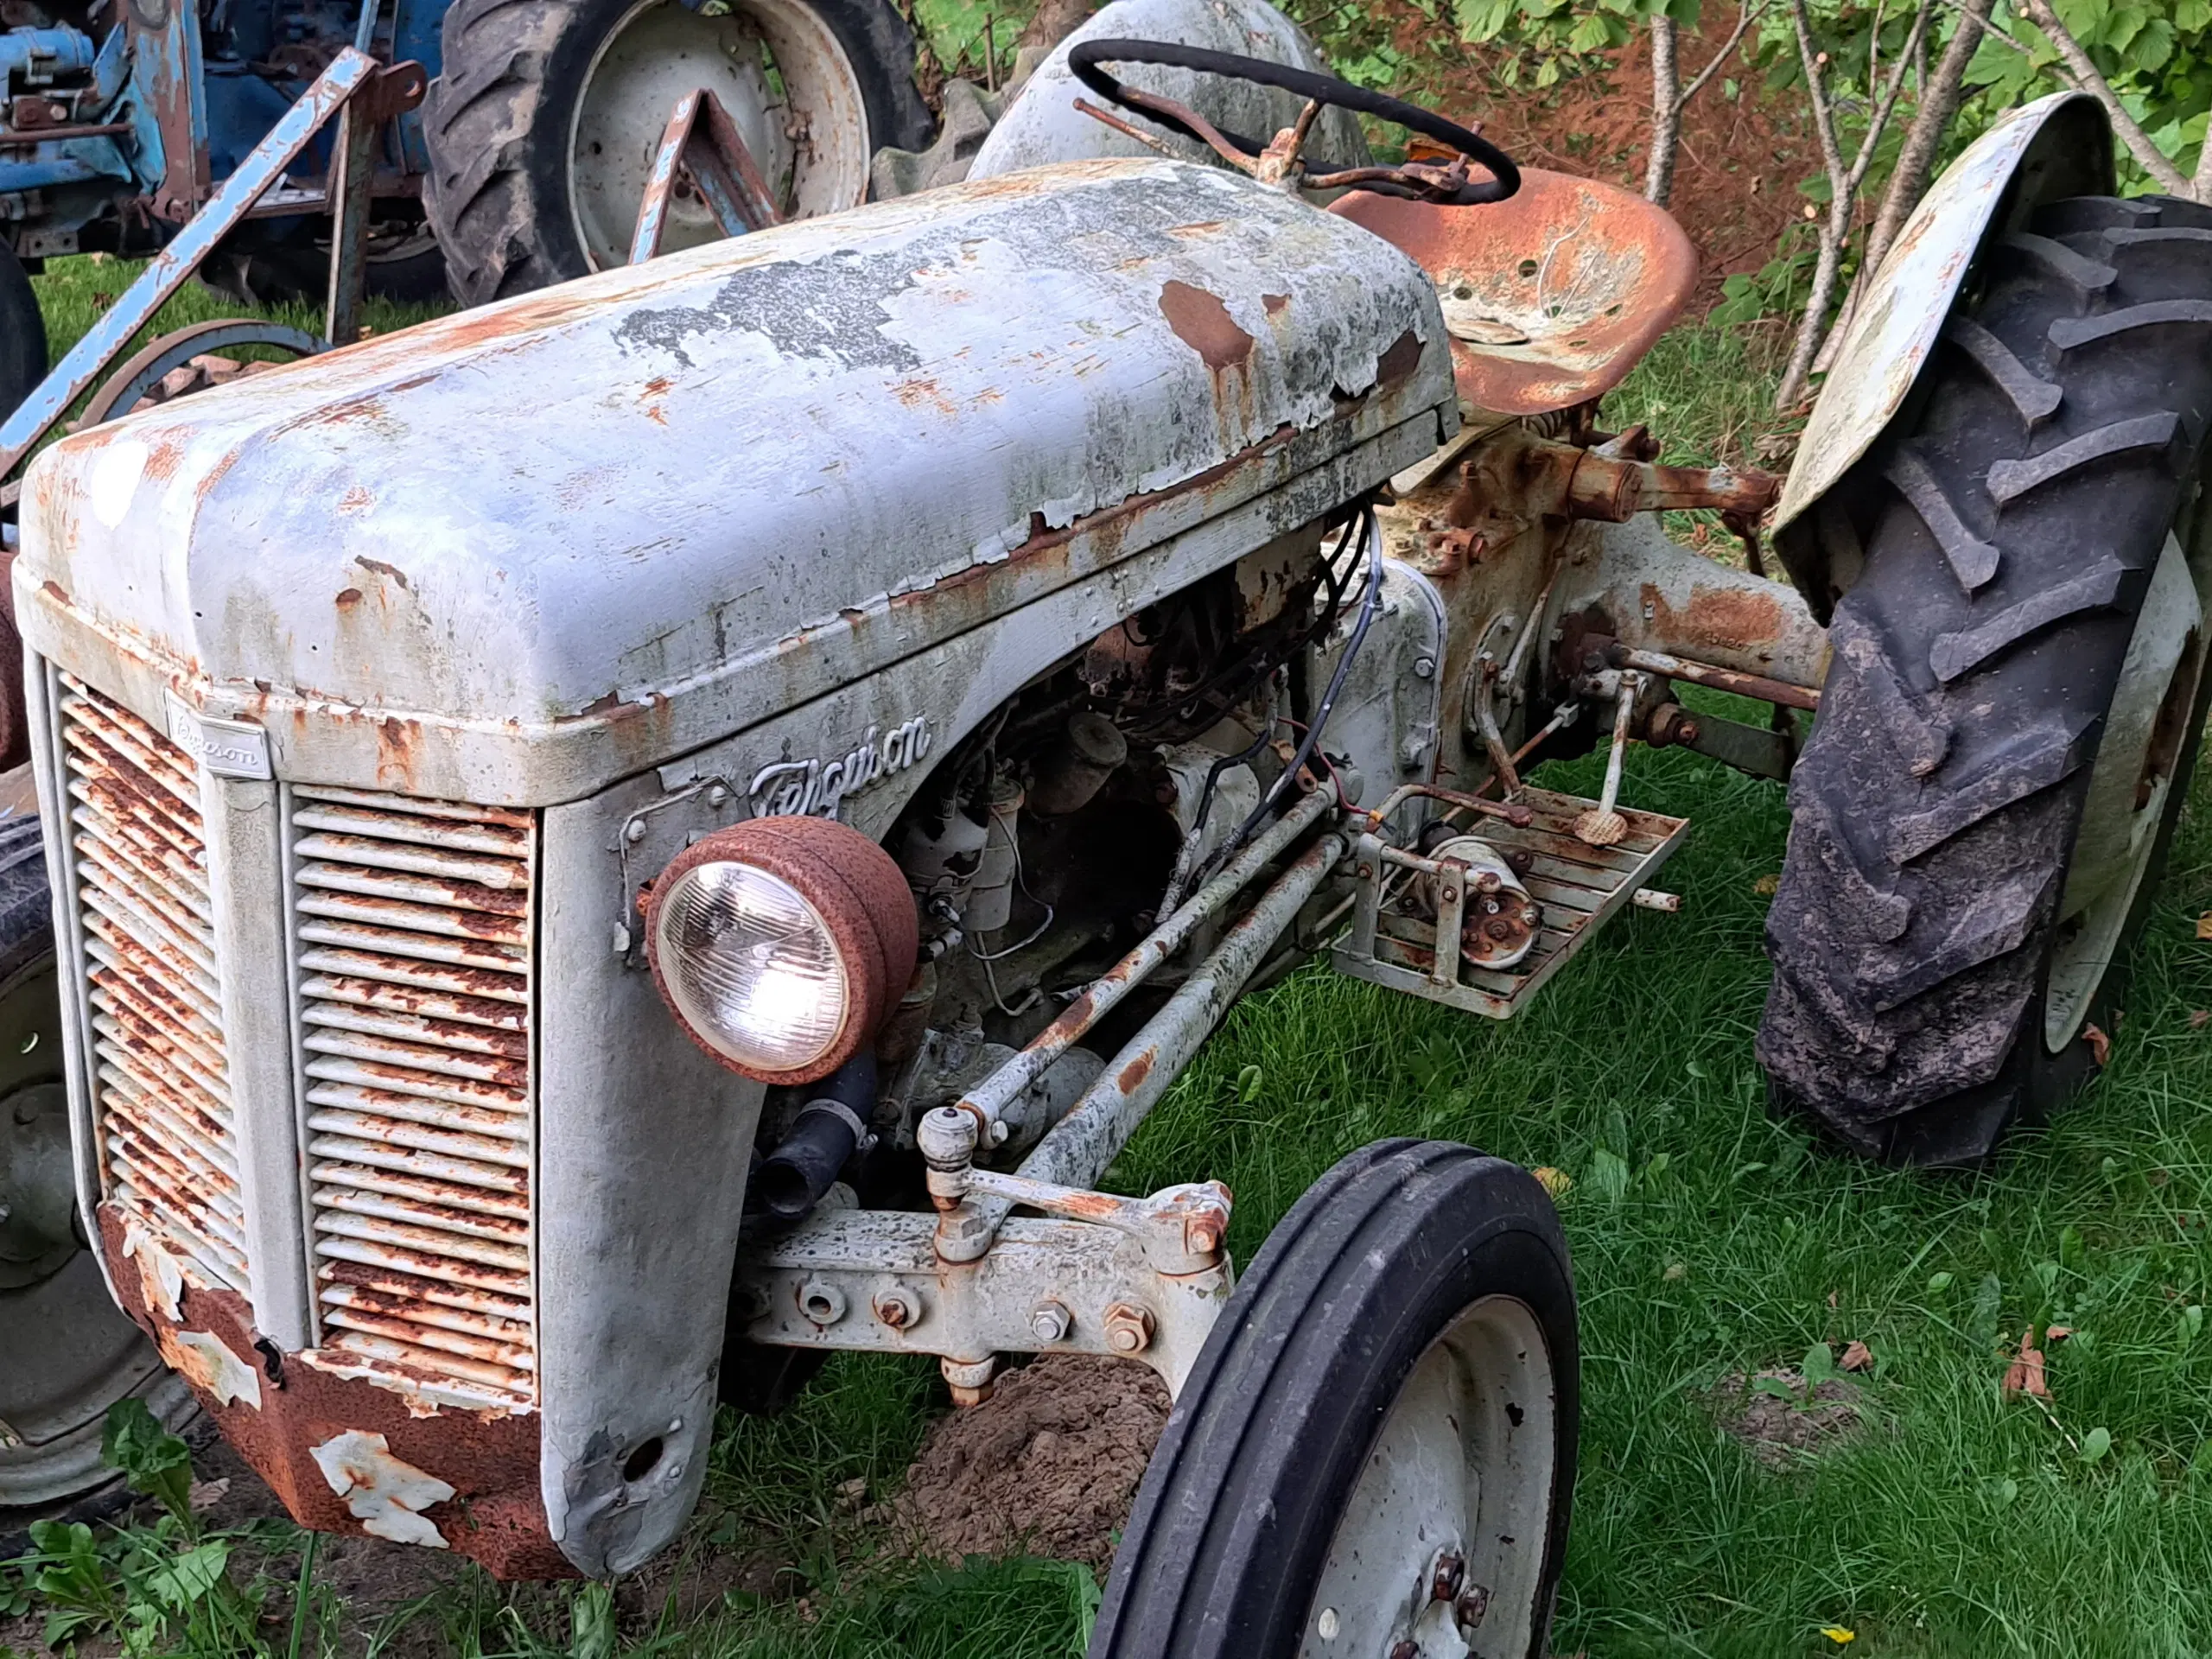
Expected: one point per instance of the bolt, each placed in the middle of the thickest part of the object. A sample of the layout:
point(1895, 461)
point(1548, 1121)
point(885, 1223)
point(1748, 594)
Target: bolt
point(1050, 1322)
point(1202, 1234)
point(1487, 882)
point(1423, 667)
point(1531, 916)
point(1165, 793)
point(1128, 1328)
point(717, 795)
point(634, 831)
point(1467, 1612)
point(1685, 732)
point(1408, 1649)
point(1448, 895)
point(897, 1309)
point(1593, 661)
point(1498, 928)
point(1451, 1573)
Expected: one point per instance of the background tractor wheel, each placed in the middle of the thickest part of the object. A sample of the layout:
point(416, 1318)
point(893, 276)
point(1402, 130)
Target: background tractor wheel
point(23, 333)
point(68, 1353)
point(2009, 727)
point(545, 123)
point(1376, 1446)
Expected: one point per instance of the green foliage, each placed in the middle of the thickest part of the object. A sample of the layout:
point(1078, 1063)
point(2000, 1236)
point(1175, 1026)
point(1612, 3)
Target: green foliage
point(2156, 54)
point(155, 1463)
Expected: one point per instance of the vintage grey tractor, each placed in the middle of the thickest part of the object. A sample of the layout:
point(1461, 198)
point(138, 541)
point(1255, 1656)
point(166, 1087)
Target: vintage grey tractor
point(607, 846)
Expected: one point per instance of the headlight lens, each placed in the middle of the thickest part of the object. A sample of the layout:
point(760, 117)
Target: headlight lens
point(752, 967)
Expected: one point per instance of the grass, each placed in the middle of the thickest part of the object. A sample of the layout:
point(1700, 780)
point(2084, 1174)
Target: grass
point(1709, 1239)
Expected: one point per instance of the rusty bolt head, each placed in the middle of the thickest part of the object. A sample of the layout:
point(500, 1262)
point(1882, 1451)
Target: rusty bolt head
point(1451, 1574)
point(1486, 881)
point(1164, 791)
point(1128, 1328)
point(1531, 916)
point(1467, 1612)
point(1685, 732)
point(1202, 1232)
point(1406, 1648)
point(1050, 1322)
point(1448, 895)
point(897, 1309)
point(1498, 928)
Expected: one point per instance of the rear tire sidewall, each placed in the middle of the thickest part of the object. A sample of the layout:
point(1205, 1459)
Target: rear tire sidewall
point(23, 332)
point(1283, 1411)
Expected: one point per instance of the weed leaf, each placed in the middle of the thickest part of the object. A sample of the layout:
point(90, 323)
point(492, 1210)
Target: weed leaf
point(154, 1461)
point(191, 1577)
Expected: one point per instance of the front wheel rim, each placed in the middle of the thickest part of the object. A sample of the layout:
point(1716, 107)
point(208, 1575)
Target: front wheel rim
point(1455, 1496)
point(779, 69)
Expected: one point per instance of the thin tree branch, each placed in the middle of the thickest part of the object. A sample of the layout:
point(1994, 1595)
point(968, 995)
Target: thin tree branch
point(1940, 95)
point(1745, 20)
point(2149, 156)
point(1880, 121)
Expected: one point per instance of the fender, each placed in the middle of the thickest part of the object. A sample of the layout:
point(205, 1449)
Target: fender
point(2056, 146)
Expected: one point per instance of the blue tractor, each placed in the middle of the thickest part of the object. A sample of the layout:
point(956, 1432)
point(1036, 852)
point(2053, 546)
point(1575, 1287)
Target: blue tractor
point(524, 166)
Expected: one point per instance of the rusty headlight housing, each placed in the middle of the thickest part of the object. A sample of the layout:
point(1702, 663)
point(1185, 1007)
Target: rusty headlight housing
point(780, 944)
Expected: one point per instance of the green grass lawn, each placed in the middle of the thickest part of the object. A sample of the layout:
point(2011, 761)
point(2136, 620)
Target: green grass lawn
point(1709, 1240)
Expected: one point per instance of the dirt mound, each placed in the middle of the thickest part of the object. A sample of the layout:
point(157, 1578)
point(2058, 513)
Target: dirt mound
point(1048, 1466)
point(1779, 1432)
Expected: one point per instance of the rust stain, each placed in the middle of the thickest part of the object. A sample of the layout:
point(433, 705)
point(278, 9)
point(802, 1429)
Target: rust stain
point(1202, 322)
point(162, 460)
point(1716, 619)
point(913, 394)
point(348, 598)
point(489, 1456)
point(1275, 304)
point(658, 386)
point(396, 741)
point(1131, 1076)
point(356, 500)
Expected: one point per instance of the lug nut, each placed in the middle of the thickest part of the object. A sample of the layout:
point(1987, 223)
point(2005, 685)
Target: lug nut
point(1128, 1328)
point(1451, 1574)
point(1050, 1322)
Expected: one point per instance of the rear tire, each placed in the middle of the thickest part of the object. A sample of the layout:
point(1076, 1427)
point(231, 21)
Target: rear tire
point(548, 112)
point(23, 333)
point(1394, 1383)
point(2008, 729)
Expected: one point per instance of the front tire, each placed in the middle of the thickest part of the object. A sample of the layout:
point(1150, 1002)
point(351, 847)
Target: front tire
point(1388, 1409)
point(543, 124)
point(2008, 729)
point(66, 1351)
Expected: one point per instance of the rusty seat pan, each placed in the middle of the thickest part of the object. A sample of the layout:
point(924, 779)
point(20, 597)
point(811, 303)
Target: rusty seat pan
point(1550, 296)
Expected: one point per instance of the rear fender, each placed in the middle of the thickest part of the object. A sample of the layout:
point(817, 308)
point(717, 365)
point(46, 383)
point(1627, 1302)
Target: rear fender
point(2056, 146)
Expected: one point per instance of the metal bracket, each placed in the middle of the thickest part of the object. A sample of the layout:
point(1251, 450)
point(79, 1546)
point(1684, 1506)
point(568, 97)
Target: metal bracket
point(728, 178)
point(873, 1279)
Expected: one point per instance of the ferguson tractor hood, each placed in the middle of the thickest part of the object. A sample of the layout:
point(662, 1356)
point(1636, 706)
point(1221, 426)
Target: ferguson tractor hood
point(516, 554)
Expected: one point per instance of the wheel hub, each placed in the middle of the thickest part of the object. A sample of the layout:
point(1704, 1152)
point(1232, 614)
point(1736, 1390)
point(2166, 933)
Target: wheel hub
point(1449, 1517)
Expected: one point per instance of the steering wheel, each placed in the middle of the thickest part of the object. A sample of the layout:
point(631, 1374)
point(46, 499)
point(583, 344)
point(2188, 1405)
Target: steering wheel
point(1277, 161)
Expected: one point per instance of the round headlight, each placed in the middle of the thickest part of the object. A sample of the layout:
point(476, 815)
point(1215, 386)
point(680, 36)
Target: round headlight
point(781, 943)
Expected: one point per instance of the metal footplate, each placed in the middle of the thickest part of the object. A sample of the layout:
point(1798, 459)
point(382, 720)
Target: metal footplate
point(1404, 901)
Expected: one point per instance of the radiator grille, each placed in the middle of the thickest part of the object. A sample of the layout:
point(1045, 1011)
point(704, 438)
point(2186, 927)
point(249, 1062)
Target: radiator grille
point(414, 925)
point(161, 1086)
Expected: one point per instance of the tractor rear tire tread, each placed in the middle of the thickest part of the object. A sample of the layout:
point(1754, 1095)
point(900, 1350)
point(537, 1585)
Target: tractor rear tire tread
point(1935, 806)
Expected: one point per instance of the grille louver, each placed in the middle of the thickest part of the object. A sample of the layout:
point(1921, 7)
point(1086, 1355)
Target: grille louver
point(166, 1149)
point(414, 923)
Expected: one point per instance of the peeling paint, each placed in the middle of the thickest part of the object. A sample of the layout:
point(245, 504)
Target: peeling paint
point(208, 1362)
point(161, 1278)
point(386, 1496)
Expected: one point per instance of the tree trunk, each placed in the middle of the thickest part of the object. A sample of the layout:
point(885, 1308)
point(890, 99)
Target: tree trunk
point(1939, 103)
point(1666, 110)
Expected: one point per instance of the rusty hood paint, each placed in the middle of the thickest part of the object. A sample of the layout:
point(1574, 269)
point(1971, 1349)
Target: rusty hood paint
point(630, 514)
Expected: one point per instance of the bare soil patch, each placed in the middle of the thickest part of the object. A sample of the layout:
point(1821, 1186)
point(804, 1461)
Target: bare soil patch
point(1048, 1466)
point(1777, 1432)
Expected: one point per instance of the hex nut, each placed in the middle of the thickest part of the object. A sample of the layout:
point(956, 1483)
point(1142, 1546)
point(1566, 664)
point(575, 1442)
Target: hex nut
point(1468, 1612)
point(1050, 1322)
point(822, 1301)
point(898, 1308)
point(1128, 1328)
point(1451, 1574)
